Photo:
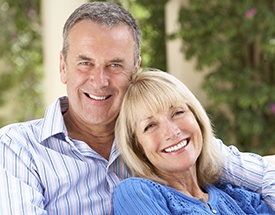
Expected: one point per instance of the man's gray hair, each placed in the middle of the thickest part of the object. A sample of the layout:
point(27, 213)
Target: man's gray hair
point(104, 13)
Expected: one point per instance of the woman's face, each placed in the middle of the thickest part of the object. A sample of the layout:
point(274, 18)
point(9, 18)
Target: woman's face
point(171, 139)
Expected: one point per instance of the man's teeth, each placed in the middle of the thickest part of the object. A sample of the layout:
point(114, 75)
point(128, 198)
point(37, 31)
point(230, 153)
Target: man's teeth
point(97, 97)
point(176, 147)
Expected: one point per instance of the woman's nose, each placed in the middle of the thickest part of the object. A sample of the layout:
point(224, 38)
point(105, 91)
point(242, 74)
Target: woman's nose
point(171, 130)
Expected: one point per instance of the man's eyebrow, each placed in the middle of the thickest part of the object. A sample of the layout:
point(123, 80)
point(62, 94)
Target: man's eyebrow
point(83, 57)
point(117, 60)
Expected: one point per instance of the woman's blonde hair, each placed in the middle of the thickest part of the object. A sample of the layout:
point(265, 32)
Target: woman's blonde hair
point(156, 90)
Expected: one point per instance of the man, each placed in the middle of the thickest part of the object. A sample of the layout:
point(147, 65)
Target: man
point(67, 162)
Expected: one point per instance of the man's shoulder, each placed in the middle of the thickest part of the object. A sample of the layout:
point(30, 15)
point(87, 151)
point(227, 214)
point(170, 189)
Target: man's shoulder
point(34, 128)
point(21, 126)
point(19, 139)
point(21, 131)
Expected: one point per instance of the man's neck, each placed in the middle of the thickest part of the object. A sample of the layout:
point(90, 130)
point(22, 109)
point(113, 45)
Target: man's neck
point(99, 138)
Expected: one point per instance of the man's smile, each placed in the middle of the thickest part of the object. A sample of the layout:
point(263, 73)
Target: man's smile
point(97, 98)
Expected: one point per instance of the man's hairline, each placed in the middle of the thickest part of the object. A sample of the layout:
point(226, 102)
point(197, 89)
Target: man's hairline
point(65, 49)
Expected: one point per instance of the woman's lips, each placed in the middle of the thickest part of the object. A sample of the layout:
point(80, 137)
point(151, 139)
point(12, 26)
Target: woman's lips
point(177, 147)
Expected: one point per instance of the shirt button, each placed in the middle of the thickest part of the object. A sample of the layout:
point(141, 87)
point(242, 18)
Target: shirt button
point(214, 211)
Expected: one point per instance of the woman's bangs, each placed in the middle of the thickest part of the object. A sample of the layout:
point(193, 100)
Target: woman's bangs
point(156, 97)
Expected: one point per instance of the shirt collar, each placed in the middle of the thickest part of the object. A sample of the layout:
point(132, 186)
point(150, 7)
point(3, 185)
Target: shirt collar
point(53, 123)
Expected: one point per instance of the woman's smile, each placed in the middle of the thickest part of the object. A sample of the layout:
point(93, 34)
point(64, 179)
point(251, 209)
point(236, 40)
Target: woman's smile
point(177, 147)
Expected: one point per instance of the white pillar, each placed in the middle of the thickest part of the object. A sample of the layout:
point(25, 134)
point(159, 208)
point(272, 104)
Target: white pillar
point(54, 15)
point(176, 62)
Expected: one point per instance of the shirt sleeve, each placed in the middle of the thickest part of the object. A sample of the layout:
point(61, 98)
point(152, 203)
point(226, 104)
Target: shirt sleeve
point(132, 196)
point(248, 170)
point(21, 192)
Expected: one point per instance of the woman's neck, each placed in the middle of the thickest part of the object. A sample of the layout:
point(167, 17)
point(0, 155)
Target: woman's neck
point(187, 183)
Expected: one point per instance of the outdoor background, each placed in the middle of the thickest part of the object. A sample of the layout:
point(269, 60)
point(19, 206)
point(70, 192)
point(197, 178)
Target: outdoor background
point(234, 41)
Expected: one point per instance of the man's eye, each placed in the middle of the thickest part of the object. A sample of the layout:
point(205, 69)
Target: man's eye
point(114, 65)
point(85, 63)
point(115, 68)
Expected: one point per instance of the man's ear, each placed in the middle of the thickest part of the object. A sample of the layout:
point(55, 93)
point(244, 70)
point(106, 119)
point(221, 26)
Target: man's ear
point(62, 68)
point(137, 66)
point(138, 63)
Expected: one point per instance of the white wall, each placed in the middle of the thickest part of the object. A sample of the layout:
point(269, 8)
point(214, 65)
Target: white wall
point(54, 15)
point(176, 62)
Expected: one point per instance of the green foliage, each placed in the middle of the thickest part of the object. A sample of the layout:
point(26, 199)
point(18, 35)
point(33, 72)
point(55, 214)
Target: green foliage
point(20, 60)
point(21, 52)
point(236, 40)
point(151, 20)
point(153, 33)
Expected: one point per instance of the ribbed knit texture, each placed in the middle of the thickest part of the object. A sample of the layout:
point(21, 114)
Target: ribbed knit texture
point(141, 196)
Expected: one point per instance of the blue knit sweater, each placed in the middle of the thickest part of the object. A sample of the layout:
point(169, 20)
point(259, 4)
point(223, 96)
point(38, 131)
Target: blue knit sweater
point(138, 196)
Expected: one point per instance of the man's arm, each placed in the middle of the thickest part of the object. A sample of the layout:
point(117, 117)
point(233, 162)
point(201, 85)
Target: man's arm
point(249, 170)
point(270, 159)
point(21, 192)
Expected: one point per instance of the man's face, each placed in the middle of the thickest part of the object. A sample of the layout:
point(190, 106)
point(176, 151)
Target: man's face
point(99, 65)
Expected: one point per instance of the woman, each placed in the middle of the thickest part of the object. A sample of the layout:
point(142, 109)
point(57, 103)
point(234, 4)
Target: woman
point(165, 137)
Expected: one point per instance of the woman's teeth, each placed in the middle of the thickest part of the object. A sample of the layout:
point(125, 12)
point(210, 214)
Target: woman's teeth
point(176, 147)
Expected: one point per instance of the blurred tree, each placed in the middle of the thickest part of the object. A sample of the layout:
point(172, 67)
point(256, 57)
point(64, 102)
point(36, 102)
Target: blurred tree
point(236, 40)
point(151, 20)
point(21, 52)
point(20, 60)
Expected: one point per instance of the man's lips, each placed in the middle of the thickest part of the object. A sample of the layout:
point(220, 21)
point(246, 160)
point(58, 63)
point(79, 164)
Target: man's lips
point(177, 147)
point(97, 98)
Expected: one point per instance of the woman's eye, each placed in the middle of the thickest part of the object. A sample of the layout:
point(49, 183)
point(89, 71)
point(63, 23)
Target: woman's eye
point(148, 127)
point(179, 112)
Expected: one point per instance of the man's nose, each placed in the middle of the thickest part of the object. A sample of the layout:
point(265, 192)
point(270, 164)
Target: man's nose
point(99, 78)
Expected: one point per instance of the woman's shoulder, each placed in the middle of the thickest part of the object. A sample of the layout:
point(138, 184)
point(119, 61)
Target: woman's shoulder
point(142, 196)
point(138, 182)
point(136, 186)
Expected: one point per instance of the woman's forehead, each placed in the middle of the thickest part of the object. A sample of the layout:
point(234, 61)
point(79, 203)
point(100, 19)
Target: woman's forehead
point(147, 110)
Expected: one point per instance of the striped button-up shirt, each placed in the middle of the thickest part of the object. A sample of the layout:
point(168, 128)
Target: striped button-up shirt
point(44, 171)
